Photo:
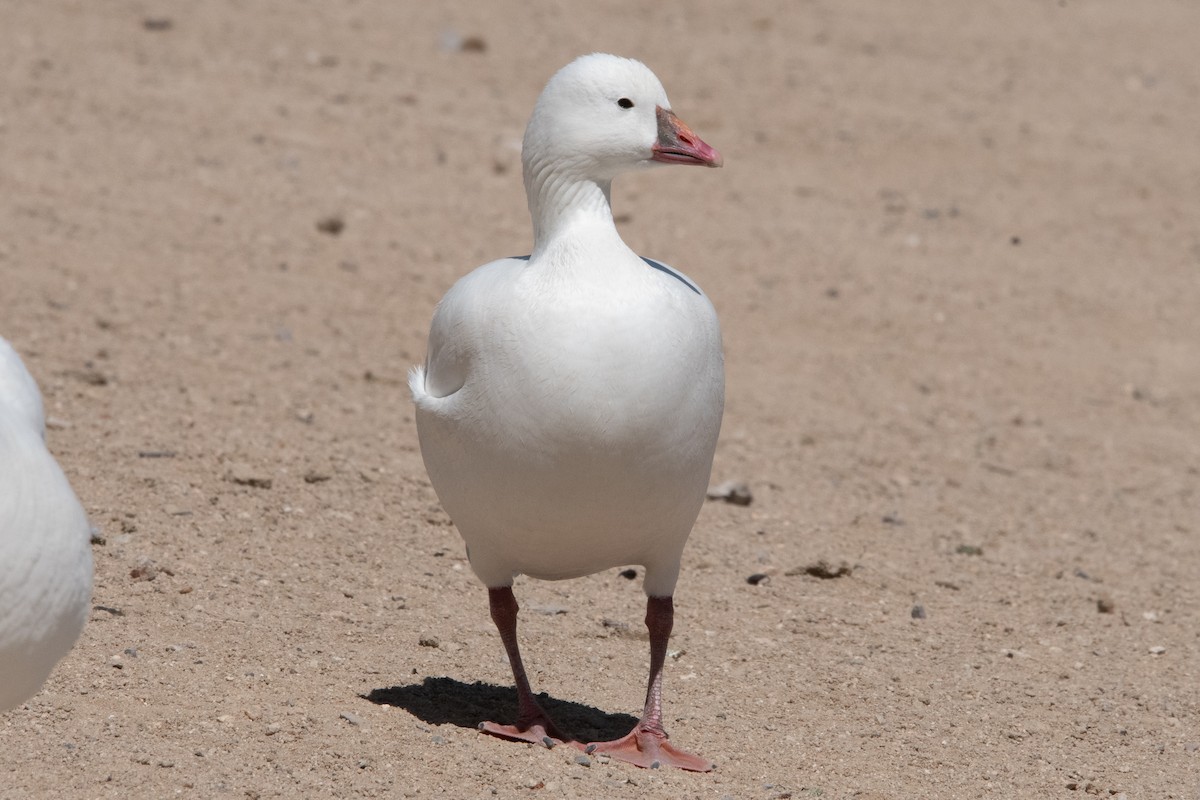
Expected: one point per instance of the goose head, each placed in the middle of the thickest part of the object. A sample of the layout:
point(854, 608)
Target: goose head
point(602, 115)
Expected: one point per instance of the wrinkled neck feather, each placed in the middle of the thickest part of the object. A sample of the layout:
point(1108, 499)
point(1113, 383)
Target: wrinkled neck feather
point(563, 199)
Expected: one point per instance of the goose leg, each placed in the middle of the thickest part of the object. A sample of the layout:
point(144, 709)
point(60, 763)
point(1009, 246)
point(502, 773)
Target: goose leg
point(533, 723)
point(646, 745)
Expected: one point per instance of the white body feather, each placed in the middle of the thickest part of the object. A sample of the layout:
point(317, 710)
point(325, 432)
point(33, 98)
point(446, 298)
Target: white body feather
point(45, 551)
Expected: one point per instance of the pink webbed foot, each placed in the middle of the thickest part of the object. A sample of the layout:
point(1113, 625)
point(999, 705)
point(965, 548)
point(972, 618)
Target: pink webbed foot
point(538, 731)
point(533, 724)
point(645, 748)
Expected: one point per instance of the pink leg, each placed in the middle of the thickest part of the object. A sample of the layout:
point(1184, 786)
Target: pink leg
point(646, 745)
point(533, 724)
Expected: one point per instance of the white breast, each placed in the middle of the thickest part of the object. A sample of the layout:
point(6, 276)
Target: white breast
point(583, 432)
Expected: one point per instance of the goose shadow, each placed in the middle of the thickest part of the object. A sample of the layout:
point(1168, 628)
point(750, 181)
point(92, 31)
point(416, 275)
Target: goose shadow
point(441, 701)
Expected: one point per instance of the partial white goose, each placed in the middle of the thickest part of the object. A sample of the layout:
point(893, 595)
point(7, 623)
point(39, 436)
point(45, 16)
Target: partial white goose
point(45, 549)
point(570, 401)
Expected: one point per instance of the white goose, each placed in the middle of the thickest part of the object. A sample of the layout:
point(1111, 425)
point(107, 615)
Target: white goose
point(570, 402)
point(45, 550)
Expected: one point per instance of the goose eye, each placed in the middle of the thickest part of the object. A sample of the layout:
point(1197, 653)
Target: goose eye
point(625, 102)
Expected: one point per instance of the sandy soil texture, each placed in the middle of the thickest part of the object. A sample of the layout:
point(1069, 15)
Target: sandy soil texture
point(956, 253)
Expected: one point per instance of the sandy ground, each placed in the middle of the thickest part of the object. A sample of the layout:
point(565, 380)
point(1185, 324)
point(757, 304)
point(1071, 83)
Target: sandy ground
point(956, 253)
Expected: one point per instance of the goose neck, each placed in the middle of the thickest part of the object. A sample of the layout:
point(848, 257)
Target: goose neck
point(560, 200)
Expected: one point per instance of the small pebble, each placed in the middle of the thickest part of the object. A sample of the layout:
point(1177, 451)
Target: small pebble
point(332, 225)
point(821, 569)
point(549, 611)
point(146, 570)
point(628, 574)
point(351, 718)
point(429, 640)
point(92, 377)
point(244, 475)
point(583, 760)
point(757, 578)
point(1105, 604)
point(918, 611)
point(735, 492)
point(1157, 650)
